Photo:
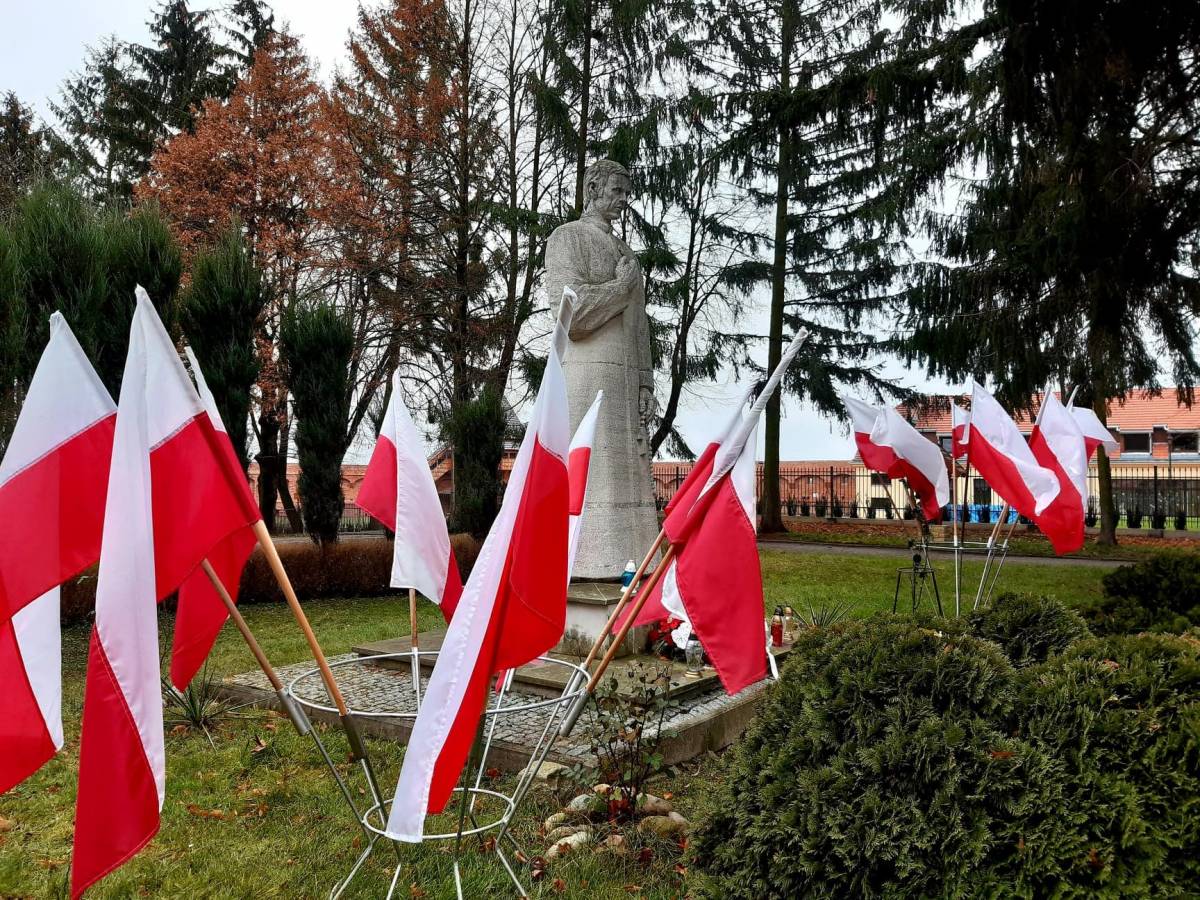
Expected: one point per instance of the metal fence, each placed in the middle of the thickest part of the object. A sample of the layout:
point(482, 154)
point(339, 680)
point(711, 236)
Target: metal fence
point(1151, 496)
point(354, 519)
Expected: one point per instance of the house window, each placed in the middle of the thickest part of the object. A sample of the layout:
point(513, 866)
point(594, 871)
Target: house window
point(1136, 443)
point(1185, 442)
point(878, 478)
point(947, 443)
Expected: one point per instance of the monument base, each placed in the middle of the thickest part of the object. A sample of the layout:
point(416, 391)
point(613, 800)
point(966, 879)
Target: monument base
point(589, 605)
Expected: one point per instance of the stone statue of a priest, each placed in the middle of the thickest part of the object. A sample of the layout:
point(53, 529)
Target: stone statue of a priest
point(609, 351)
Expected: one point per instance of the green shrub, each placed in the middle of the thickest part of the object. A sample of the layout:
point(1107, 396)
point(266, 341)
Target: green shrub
point(896, 760)
point(1029, 628)
point(475, 431)
point(1122, 717)
point(317, 342)
point(880, 765)
point(1160, 593)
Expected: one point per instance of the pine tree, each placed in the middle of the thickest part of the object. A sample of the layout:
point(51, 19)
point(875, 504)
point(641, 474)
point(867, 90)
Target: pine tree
point(182, 68)
point(791, 111)
point(107, 137)
point(316, 343)
point(1072, 258)
point(25, 151)
point(219, 313)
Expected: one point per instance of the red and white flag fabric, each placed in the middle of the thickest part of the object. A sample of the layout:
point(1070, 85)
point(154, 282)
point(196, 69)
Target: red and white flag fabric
point(1058, 444)
point(891, 445)
point(200, 613)
point(714, 583)
point(512, 610)
point(52, 486)
point(1094, 433)
point(170, 502)
point(578, 462)
point(398, 490)
point(1000, 454)
point(960, 430)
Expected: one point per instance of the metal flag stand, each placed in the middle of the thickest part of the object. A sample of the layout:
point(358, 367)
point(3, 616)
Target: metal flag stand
point(372, 820)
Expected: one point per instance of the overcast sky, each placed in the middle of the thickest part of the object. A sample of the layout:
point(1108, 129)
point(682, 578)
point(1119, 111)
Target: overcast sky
point(46, 41)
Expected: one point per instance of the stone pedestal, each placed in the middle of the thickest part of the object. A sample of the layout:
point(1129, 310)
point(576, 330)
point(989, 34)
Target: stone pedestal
point(589, 604)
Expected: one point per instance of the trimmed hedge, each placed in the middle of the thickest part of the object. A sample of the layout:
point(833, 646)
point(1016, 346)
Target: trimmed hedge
point(899, 760)
point(1029, 628)
point(359, 567)
point(1161, 593)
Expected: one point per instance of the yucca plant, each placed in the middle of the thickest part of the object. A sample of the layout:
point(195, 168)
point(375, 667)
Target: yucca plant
point(199, 705)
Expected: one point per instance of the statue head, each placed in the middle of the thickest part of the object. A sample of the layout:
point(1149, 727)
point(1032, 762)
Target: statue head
point(607, 188)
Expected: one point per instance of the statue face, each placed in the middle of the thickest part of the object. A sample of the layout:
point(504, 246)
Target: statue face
point(612, 199)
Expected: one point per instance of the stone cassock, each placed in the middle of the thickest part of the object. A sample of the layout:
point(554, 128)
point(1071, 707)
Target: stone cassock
point(609, 350)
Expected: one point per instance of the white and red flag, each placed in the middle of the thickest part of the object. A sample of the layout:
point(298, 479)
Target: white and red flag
point(398, 490)
point(714, 583)
point(999, 453)
point(891, 445)
point(52, 486)
point(170, 502)
point(512, 610)
point(1094, 433)
point(1058, 444)
point(578, 462)
point(960, 430)
point(200, 613)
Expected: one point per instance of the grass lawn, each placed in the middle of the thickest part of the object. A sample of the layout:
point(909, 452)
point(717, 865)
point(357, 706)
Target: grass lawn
point(257, 816)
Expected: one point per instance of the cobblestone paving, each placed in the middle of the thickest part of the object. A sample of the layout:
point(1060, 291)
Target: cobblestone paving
point(372, 689)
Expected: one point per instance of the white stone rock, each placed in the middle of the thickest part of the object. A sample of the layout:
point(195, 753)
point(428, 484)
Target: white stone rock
point(649, 805)
point(662, 826)
point(571, 842)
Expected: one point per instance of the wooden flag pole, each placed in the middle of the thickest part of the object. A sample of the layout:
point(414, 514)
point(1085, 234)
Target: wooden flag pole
point(293, 602)
point(293, 709)
point(625, 595)
point(573, 715)
point(416, 650)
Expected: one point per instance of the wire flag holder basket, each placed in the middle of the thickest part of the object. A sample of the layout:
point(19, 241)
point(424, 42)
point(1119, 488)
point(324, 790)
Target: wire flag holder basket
point(541, 716)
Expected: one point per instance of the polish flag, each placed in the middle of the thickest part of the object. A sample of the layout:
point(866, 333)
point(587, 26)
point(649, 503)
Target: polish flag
point(52, 485)
point(863, 418)
point(685, 495)
point(578, 462)
point(512, 610)
point(713, 586)
point(888, 444)
point(918, 460)
point(1058, 444)
point(999, 453)
point(170, 502)
point(960, 430)
point(200, 613)
point(398, 490)
point(1094, 433)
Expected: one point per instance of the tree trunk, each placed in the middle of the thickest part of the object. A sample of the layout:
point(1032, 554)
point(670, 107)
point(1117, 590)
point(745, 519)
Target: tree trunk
point(1108, 508)
point(772, 515)
point(268, 458)
point(295, 520)
point(585, 107)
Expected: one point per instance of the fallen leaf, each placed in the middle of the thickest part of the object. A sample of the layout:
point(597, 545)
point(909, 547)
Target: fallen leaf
point(633, 888)
point(559, 885)
point(1094, 859)
point(414, 890)
point(492, 773)
point(668, 795)
point(5, 824)
point(682, 843)
point(645, 856)
point(259, 745)
point(563, 848)
point(1001, 754)
point(178, 730)
point(521, 857)
point(49, 863)
point(357, 842)
point(680, 869)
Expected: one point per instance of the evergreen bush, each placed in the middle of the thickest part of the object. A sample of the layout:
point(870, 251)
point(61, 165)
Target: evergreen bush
point(219, 312)
point(475, 430)
point(895, 759)
point(317, 344)
point(880, 765)
point(1160, 593)
point(1029, 628)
